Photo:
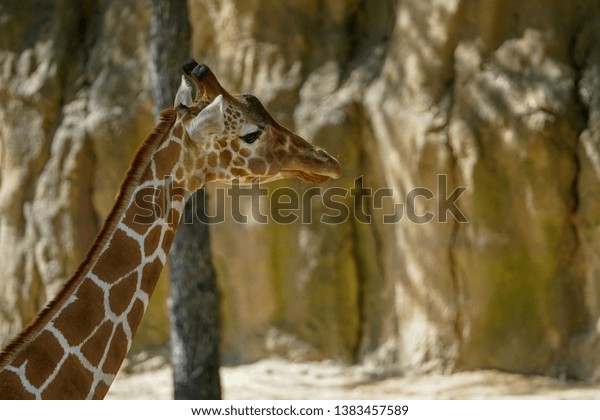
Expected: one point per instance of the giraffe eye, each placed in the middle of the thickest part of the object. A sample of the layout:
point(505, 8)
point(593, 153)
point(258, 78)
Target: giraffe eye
point(251, 137)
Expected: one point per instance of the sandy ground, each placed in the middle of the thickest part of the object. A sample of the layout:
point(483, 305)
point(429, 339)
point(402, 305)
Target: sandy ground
point(279, 379)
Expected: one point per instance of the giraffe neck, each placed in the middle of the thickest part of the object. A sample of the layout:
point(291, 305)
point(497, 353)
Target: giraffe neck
point(78, 342)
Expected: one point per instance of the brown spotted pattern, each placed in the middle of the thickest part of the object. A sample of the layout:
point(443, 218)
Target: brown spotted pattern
point(79, 351)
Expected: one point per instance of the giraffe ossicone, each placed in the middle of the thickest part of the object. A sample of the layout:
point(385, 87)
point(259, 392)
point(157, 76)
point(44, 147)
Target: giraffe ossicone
point(76, 344)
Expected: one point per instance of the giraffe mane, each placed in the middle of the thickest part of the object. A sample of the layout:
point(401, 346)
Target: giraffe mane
point(134, 174)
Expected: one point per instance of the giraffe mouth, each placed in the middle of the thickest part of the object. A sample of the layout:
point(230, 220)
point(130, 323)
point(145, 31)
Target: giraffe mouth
point(314, 173)
point(309, 177)
point(316, 167)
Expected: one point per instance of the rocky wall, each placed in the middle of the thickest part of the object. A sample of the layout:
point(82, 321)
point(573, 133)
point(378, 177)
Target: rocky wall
point(497, 97)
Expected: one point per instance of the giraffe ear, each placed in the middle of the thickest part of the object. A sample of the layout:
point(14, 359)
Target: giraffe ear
point(184, 94)
point(209, 121)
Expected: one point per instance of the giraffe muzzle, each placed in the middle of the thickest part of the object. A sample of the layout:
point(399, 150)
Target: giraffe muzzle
point(315, 167)
point(330, 167)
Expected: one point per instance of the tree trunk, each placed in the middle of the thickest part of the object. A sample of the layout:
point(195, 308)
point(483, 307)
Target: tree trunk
point(194, 301)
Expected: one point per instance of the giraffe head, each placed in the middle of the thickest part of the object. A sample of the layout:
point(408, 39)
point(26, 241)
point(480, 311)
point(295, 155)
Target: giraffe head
point(238, 139)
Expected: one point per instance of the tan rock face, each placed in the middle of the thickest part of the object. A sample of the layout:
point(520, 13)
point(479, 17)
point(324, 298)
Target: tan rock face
point(499, 97)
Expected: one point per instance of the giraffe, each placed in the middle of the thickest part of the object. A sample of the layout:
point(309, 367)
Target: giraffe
point(76, 344)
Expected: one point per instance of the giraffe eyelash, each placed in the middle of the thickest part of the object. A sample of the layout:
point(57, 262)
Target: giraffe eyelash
point(251, 137)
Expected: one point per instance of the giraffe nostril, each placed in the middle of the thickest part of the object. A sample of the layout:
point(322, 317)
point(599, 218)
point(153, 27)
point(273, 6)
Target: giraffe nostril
point(322, 154)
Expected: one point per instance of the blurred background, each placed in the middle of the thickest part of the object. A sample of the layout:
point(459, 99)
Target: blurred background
point(501, 96)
